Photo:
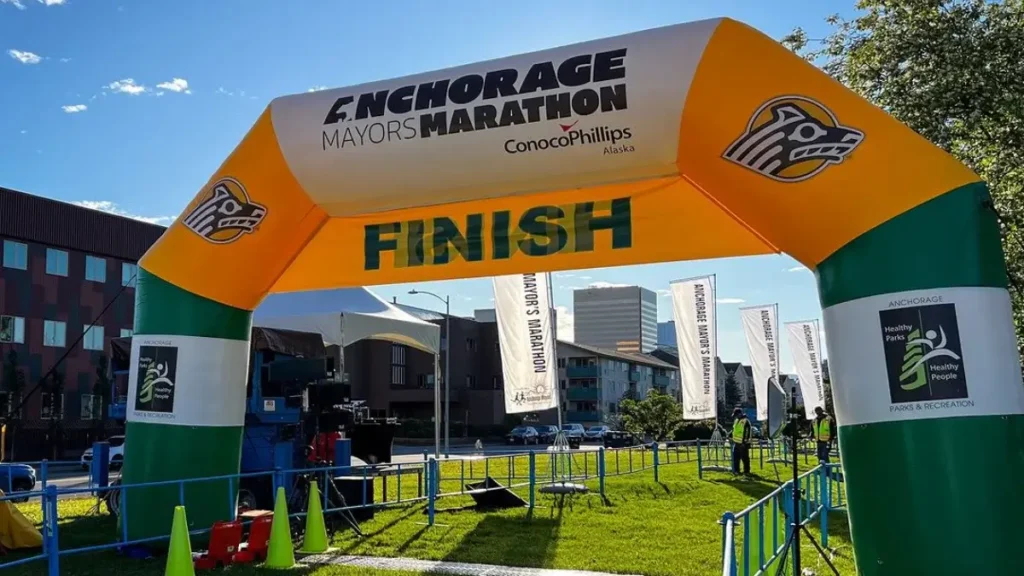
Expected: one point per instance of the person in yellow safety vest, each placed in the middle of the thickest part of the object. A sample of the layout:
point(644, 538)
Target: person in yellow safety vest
point(741, 434)
point(824, 432)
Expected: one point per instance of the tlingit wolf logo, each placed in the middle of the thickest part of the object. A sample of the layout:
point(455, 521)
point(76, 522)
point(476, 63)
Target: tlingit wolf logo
point(225, 212)
point(923, 355)
point(791, 139)
point(157, 372)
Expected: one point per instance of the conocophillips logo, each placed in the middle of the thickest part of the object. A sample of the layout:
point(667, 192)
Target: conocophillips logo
point(225, 212)
point(791, 139)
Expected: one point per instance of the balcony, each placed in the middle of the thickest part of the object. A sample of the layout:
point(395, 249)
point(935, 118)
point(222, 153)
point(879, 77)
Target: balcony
point(583, 371)
point(635, 376)
point(662, 381)
point(583, 417)
point(583, 394)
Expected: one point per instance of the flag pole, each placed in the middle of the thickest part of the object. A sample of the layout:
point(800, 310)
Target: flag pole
point(714, 341)
point(554, 346)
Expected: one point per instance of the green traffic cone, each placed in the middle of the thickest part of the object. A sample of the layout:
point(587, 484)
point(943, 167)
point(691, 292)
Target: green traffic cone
point(315, 539)
point(179, 555)
point(280, 553)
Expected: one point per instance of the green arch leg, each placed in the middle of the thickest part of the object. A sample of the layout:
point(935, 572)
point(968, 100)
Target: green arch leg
point(930, 441)
point(188, 425)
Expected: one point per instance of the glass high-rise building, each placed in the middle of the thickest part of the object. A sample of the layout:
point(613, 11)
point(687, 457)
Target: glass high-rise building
point(622, 318)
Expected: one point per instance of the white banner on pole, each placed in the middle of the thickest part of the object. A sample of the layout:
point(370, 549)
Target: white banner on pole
point(805, 343)
point(760, 326)
point(526, 336)
point(693, 307)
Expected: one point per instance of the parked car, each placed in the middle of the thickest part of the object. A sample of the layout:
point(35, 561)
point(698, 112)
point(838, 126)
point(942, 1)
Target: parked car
point(596, 432)
point(546, 434)
point(523, 435)
point(17, 478)
point(620, 439)
point(116, 453)
point(574, 434)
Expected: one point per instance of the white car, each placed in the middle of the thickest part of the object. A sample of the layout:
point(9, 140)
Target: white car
point(116, 453)
point(596, 432)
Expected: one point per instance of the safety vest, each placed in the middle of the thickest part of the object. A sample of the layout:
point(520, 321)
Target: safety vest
point(824, 430)
point(739, 431)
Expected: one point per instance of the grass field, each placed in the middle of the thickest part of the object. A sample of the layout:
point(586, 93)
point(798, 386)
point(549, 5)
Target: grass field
point(641, 527)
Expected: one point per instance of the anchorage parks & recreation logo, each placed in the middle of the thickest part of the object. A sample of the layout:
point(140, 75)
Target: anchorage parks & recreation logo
point(791, 139)
point(158, 369)
point(923, 356)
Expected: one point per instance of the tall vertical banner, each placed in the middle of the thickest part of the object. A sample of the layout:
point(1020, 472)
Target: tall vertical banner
point(693, 308)
point(805, 345)
point(526, 335)
point(760, 326)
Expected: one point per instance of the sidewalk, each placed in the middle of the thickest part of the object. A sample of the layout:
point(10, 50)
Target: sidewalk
point(453, 568)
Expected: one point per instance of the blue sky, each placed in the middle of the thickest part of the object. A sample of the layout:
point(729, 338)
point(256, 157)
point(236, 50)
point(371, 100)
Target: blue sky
point(130, 105)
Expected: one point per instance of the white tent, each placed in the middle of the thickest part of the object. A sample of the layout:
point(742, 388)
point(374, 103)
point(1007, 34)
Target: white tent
point(345, 316)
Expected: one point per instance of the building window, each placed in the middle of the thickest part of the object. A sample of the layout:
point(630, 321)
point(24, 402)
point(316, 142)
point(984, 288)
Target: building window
point(497, 346)
point(126, 332)
point(561, 362)
point(470, 381)
point(56, 262)
point(470, 345)
point(92, 337)
point(95, 269)
point(12, 330)
point(611, 407)
point(425, 380)
point(397, 365)
point(53, 333)
point(15, 255)
point(48, 410)
point(5, 404)
point(92, 407)
point(562, 384)
point(128, 274)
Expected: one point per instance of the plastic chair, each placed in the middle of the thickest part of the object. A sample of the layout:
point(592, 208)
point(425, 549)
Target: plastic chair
point(259, 540)
point(225, 542)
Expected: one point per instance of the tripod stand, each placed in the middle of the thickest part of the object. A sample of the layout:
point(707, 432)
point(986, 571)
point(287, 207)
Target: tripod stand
point(796, 526)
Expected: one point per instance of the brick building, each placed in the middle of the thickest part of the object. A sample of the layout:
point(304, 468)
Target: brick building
point(61, 266)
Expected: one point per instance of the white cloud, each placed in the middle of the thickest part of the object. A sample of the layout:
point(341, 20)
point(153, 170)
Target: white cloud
point(52, 2)
point(24, 131)
point(730, 300)
point(601, 284)
point(315, 88)
point(127, 86)
point(586, 277)
point(65, 60)
point(566, 324)
point(221, 90)
point(664, 293)
point(112, 208)
point(25, 57)
point(175, 85)
point(564, 274)
point(16, 3)
point(75, 108)
point(797, 269)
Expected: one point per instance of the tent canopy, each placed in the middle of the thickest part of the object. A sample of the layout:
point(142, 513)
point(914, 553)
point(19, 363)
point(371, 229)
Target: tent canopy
point(345, 316)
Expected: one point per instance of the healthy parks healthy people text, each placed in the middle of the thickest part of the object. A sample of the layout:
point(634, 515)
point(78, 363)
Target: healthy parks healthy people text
point(755, 149)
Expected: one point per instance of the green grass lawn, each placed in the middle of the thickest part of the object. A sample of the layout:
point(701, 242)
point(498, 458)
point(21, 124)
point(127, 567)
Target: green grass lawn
point(641, 527)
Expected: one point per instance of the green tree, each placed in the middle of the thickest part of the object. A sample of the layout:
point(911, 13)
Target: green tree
point(953, 70)
point(658, 416)
point(56, 428)
point(101, 391)
point(732, 397)
point(14, 384)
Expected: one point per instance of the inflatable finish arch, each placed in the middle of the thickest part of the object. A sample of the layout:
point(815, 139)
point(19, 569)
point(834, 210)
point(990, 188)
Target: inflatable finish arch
point(694, 141)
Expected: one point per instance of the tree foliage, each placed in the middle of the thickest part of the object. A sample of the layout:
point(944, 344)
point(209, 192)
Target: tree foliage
point(952, 70)
point(657, 416)
point(732, 396)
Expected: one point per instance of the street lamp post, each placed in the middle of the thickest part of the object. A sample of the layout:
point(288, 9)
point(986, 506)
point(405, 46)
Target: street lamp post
point(447, 364)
